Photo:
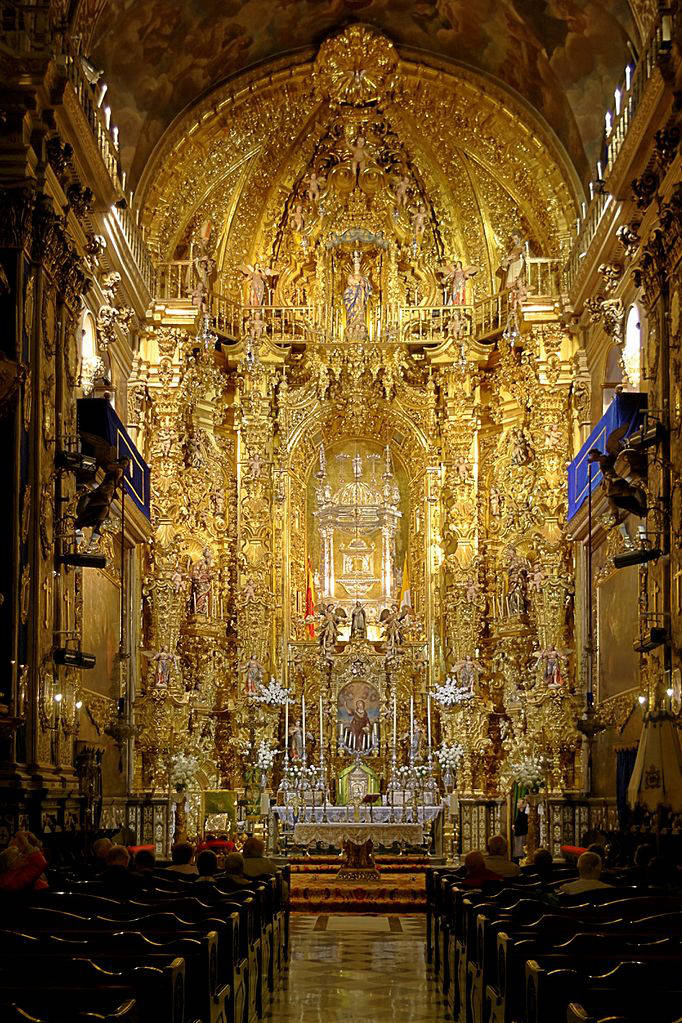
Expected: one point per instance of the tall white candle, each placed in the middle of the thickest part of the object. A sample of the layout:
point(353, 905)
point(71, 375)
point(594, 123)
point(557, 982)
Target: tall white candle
point(286, 729)
point(428, 720)
point(411, 720)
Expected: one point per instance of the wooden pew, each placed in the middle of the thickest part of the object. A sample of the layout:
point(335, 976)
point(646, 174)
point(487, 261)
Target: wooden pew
point(102, 1006)
point(159, 991)
point(550, 991)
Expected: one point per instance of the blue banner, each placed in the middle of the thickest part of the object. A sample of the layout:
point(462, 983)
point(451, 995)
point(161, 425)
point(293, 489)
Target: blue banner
point(626, 409)
point(97, 416)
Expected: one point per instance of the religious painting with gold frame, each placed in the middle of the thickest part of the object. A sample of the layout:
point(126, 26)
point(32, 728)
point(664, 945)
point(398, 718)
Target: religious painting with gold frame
point(358, 719)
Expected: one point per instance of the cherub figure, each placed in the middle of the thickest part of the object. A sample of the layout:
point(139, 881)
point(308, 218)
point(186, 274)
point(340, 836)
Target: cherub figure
point(327, 617)
point(419, 222)
point(297, 218)
point(314, 184)
point(401, 190)
point(359, 156)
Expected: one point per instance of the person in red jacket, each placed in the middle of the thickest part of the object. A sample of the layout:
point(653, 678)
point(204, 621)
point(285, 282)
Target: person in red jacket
point(477, 873)
point(22, 864)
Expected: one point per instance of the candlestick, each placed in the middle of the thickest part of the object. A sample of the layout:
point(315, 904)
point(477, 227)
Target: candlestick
point(303, 725)
point(395, 726)
point(411, 729)
point(428, 720)
point(321, 738)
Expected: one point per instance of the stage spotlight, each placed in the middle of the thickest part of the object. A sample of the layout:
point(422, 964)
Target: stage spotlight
point(74, 658)
point(638, 556)
point(77, 560)
point(74, 461)
point(655, 637)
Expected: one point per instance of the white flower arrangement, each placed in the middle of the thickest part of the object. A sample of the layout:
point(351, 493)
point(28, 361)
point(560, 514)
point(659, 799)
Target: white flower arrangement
point(184, 770)
point(265, 755)
point(530, 771)
point(450, 755)
point(273, 694)
point(451, 693)
point(403, 775)
point(421, 772)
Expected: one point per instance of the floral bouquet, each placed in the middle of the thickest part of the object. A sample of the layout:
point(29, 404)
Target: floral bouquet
point(530, 771)
point(273, 694)
point(451, 693)
point(421, 772)
point(184, 768)
point(265, 755)
point(449, 755)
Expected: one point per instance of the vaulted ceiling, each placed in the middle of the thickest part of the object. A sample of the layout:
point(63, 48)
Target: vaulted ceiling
point(563, 57)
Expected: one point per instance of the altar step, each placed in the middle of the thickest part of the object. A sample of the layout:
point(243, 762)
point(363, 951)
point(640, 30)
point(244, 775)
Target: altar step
point(329, 864)
point(395, 892)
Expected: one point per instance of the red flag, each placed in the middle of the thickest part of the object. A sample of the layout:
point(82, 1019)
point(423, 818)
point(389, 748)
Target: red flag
point(310, 600)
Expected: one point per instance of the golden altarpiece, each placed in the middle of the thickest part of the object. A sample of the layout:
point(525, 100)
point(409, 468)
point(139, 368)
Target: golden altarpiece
point(355, 388)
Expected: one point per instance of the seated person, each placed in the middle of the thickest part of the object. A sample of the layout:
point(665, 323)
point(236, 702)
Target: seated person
point(497, 860)
point(22, 864)
point(100, 850)
point(144, 865)
point(256, 863)
point(477, 874)
point(182, 855)
point(117, 878)
point(234, 870)
point(543, 865)
point(589, 869)
point(207, 865)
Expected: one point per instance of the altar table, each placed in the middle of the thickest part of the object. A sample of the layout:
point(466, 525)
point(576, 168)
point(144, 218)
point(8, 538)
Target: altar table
point(337, 832)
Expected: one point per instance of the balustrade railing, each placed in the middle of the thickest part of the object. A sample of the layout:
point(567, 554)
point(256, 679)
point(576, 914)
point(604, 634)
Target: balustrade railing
point(96, 117)
point(134, 237)
point(627, 100)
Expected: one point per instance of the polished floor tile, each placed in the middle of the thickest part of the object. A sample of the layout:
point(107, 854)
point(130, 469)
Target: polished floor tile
point(345, 967)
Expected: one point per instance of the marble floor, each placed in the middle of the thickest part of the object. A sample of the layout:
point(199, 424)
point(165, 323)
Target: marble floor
point(352, 967)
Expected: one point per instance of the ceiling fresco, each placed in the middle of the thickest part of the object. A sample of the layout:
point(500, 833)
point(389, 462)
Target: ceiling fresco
point(563, 57)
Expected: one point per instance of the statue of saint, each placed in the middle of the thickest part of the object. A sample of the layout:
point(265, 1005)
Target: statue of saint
point(510, 270)
point(201, 577)
point(163, 662)
point(358, 622)
point(296, 741)
point(253, 670)
point(256, 276)
point(455, 276)
point(355, 298)
point(553, 661)
point(467, 672)
point(360, 727)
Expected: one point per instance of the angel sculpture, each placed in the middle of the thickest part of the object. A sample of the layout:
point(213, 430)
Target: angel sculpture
point(257, 276)
point(552, 660)
point(624, 471)
point(419, 222)
point(393, 621)
point(297, 218)
point(467, 672)
point(328, 618)
point(94, 505)
point(455, 276)
point(164, 661)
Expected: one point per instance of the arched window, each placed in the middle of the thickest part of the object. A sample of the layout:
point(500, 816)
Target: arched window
point(632, 349)
point(613, 377)
point(91, 364)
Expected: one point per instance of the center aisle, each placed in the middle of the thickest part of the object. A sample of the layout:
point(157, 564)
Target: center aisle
point(345, 967)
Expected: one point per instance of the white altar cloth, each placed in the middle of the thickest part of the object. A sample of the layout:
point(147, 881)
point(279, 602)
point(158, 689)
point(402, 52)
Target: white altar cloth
point(337, 833)
point(346, 815)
